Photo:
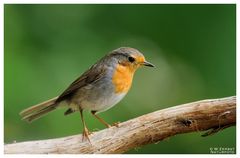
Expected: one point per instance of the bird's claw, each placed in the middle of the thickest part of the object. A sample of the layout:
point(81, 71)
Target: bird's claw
point(86, 134)
point(116, 124)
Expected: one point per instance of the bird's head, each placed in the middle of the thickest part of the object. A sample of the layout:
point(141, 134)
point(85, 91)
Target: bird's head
point(131, 58)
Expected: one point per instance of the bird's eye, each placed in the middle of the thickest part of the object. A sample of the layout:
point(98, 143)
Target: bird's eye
point(131, 59)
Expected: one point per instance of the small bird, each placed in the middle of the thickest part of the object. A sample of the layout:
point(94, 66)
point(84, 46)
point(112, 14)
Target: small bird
point(99, 88)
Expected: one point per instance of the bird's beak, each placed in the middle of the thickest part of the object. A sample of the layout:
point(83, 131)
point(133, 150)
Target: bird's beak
point(146, 63)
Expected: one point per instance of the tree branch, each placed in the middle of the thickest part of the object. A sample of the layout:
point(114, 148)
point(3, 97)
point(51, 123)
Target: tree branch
point(212, 115)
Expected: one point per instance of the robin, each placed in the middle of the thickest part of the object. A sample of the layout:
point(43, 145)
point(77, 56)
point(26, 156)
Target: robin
point(101, 87)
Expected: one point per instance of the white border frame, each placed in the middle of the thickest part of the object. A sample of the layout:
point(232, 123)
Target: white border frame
point(112, 2)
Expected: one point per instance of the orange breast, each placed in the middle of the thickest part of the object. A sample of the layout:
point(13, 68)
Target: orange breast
point(122, 78)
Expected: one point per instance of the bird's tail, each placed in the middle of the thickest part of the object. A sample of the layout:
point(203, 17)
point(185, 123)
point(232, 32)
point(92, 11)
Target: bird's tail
point(34, 112)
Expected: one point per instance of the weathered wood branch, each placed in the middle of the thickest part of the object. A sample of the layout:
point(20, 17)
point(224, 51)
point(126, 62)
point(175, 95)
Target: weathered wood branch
point(212, 115)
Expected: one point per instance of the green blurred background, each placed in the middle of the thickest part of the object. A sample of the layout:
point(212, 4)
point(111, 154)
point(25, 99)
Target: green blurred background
point(48, 46)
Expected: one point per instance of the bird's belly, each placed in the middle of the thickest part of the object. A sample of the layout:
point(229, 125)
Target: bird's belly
point(103, 103)
point(98, 97)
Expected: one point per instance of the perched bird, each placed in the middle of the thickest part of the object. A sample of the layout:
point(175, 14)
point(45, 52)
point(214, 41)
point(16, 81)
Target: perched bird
point(101, 87)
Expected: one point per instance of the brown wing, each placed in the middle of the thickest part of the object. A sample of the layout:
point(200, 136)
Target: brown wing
point(90, 76)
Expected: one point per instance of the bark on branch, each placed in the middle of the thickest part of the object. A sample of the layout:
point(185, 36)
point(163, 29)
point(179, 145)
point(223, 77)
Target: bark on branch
point(212, 115)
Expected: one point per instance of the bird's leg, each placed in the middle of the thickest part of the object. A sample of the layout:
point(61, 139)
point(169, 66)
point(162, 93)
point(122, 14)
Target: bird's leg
point(100, 119)
point(86, 132)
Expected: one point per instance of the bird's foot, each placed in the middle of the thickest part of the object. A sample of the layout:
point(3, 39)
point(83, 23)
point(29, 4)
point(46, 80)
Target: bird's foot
point(116, 124)
point(86, 134)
